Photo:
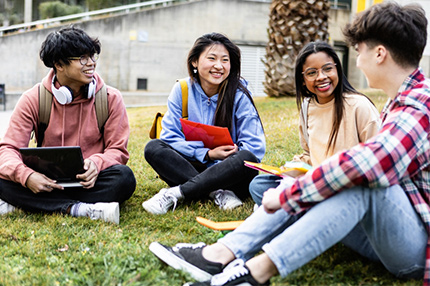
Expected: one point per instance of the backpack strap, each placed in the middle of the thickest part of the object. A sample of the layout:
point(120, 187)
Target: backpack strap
point(45, 103)
point(184, 89)
point(304, 116)
point(102, 107)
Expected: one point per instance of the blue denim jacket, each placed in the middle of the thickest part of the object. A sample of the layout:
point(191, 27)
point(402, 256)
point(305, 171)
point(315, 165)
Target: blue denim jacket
point(247, 132)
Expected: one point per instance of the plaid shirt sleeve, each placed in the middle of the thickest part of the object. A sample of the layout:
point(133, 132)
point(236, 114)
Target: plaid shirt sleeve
point(398, 151)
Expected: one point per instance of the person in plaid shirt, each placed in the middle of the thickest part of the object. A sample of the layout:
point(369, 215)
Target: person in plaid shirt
point(374, 197)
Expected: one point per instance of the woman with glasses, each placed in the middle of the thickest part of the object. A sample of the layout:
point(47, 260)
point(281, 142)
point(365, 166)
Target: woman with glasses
point(73, 85)
point(333, 115)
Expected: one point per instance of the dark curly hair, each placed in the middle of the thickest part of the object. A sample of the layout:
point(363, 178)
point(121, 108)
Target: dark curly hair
point(65, 43)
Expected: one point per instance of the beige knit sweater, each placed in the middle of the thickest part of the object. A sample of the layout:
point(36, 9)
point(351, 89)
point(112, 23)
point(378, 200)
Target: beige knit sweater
point(360, 122)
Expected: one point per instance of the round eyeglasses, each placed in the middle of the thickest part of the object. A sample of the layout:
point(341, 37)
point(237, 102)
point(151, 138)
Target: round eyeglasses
point(84, 59)
point(327, 69)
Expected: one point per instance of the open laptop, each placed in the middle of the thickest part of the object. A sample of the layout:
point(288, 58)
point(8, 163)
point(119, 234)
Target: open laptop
point(58, 163)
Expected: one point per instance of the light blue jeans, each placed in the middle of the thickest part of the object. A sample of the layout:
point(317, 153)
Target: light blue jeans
point(262, 183)
point(380, 224)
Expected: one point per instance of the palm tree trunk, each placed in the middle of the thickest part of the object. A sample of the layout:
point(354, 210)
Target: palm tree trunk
point(292, 24)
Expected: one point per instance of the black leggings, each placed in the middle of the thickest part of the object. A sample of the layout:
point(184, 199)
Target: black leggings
point(194, 178)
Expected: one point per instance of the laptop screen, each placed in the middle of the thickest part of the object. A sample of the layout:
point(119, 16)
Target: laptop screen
point(58, 163)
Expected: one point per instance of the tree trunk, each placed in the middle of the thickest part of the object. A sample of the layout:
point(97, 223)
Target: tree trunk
point(292, 24)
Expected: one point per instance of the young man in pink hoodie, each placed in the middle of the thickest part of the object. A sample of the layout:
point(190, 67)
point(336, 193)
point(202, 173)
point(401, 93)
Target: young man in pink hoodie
point(107, 181)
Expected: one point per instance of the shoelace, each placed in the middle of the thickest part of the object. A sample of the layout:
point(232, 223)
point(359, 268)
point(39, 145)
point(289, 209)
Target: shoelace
point(178, 246)
point(219, 198)
point(165, 200)
point(92, 213)
point(232, 271)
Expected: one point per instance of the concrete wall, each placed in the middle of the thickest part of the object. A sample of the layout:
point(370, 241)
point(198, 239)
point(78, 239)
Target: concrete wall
point(154, 43)
point(150, 44)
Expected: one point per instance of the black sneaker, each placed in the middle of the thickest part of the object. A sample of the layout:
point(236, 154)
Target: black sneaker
point(236, 273)
point(187, 257)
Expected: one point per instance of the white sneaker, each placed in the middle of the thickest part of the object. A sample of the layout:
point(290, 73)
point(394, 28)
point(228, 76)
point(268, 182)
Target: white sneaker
point(161, 202)
point(5, 207)
point(226, 199)
point(108, 212)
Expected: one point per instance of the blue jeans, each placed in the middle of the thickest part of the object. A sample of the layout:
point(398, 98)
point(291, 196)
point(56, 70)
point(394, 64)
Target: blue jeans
point(114, 184)
point(380, 224)
point(195, 179)
point(262, 183)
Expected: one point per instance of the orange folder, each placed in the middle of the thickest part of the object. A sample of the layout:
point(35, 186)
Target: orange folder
point(211, 136)
point(292, 169)
point(222, 225)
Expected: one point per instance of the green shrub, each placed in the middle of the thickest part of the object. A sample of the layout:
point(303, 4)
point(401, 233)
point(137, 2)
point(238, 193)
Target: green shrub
point(54, 9)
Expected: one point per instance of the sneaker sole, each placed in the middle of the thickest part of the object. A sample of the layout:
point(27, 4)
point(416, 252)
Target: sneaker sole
point(241, 284)
point(232, 206)
point(112, 216)
point(174, 261)
point(6, 208)
point(115, 217)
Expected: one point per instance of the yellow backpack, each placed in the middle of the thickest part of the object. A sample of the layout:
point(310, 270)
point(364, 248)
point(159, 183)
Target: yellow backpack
point(156, 125)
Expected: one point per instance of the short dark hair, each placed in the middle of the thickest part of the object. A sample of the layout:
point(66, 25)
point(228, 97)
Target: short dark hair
point(401, 29)
point(65, 43)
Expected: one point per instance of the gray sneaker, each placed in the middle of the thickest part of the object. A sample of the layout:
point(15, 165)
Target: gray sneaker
point(108, 212)
point(161, 202)
point(225, 199)
point(5, 207)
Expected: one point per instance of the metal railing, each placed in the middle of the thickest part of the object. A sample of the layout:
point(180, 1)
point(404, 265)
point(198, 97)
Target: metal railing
point(85, 15)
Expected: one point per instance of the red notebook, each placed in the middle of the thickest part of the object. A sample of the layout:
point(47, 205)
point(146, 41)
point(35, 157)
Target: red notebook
point(211, 136)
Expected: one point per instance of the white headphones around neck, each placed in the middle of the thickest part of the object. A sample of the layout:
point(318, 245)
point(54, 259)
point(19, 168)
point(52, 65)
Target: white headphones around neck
point(64, 94)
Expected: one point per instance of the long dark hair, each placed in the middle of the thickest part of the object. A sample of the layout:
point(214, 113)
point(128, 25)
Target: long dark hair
point(227, 89)
point(342, 87)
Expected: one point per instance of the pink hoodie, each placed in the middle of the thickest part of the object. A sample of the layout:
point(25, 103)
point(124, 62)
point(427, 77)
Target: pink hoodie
point(73, 124)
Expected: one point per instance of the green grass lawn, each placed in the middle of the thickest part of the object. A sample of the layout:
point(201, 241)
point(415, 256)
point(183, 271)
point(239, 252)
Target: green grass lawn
point(40, 249)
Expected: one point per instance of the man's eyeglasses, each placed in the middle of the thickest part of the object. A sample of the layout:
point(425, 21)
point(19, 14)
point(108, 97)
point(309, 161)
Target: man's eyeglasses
point(84, 59)
point(312, 73)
